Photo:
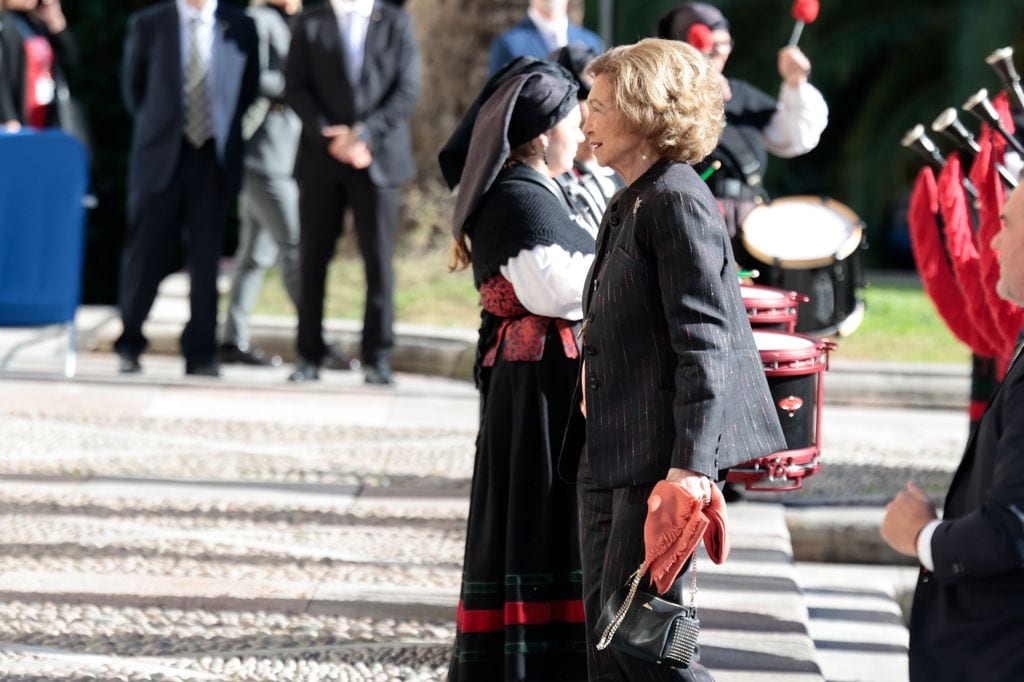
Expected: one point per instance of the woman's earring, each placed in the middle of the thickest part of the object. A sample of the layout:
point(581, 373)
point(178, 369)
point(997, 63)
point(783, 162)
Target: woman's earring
point(544, 154)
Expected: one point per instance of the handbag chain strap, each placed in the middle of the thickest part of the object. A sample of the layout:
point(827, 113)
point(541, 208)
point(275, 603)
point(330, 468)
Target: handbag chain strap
point(620, 615)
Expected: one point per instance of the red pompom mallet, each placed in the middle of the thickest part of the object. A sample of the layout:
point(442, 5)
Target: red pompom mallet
point(805, 12)
point(699, 35)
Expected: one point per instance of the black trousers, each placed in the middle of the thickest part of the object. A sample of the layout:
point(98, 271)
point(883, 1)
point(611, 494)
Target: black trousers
point(612, 523)
point(191, 209)
point(322, 207)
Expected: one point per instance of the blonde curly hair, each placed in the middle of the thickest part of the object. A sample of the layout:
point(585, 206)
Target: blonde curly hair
point(668, 93)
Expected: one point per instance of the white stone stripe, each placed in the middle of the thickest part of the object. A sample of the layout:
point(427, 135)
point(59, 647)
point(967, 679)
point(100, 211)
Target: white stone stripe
point(74, 662)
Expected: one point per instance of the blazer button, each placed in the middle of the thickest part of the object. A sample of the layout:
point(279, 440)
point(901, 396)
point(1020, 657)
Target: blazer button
point(590, 317)
point(958, 569)
point(594, 383)
point(589, 350)
point(614, 220)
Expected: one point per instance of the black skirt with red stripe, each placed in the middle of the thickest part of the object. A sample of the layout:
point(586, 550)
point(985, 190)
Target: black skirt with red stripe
point(520, 611)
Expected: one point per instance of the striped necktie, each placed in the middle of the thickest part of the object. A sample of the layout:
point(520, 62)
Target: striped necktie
point(198, 128)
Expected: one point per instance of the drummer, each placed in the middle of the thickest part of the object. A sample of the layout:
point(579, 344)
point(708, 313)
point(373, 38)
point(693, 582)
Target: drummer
point(756, 124)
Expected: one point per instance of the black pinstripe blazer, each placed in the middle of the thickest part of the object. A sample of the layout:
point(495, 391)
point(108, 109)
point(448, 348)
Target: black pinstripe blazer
point(673, 378)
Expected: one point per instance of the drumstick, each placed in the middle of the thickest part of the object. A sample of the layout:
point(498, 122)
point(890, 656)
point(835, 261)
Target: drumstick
point(805, 12)
point(751, 274)
point(709, 171)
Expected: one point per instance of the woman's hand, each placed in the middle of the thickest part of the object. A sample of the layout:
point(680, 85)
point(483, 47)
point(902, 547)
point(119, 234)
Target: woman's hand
point(698, 484)
point(11, 126)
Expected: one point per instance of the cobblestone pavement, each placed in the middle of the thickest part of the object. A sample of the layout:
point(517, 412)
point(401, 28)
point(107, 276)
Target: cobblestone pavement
point(168, 508)
point(213, 532)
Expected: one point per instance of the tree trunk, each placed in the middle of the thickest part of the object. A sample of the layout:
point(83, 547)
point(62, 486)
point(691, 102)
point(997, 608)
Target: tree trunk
point(454, 39)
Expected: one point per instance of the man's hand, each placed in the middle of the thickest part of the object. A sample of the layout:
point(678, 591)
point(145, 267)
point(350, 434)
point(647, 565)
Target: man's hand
point(794, 66)
point(698, 484)
point(905, 516)
point(346, 147)
point(11, 126)
point(51, 14)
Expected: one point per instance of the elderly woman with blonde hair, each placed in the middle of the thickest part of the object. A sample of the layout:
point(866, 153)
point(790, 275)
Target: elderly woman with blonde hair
point(672, 386)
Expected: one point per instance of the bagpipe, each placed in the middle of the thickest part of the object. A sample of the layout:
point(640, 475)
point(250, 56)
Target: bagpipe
point(954, 213)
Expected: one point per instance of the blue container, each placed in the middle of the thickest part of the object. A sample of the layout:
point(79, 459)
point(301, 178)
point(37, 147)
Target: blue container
point(43, 181)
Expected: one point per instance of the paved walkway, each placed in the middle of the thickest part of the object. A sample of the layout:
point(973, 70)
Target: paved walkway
point(194, 529)
point(163, 527)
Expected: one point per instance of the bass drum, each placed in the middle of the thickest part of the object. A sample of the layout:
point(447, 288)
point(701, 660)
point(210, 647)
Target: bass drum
point(811, 245)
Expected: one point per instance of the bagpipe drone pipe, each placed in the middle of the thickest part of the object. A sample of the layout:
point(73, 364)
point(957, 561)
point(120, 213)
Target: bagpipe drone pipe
point(955, 211)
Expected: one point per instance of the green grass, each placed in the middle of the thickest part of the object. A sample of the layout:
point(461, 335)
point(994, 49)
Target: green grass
point(426, 293)
point(900, 324)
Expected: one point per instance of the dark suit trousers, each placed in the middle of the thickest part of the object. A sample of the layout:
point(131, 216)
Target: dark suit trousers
point(612, 522)
point(322, 207)
point(193, 208)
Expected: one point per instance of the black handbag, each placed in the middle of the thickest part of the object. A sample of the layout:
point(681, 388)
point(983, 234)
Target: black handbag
point(648, 627)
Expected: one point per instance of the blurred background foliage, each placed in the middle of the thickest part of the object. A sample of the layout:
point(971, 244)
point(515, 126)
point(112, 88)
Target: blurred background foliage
point(883, 66)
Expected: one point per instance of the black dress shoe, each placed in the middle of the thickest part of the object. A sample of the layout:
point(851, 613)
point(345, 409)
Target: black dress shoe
point(379, 375)
point(202, 369)
point(305, 371)
point(128, 363)
point(231, 354)
point(338, 359)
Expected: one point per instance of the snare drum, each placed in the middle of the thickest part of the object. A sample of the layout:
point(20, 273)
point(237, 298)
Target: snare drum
point(795, 366)
point(811, 245)
point(769, 308)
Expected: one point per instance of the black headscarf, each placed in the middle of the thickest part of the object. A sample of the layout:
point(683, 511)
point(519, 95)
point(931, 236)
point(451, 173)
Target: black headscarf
point(675, 24)
point(522, 108)
point(452, 157)
point(576, 58)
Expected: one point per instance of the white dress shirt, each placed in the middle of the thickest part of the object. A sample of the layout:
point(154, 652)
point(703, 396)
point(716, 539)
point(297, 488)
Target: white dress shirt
point(797, 125)
point(924, 544)
point(554, 31)
point(353, 22)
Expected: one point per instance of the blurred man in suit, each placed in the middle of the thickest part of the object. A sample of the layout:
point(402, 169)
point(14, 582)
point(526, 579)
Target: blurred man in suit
point(268, 205)
point(353, 77)
point(190, 71)
point(545, 28)
point(968, 615)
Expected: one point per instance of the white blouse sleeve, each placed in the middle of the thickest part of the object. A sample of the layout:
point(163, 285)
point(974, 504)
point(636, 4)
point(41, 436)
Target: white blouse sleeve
point(797, 125)
point(549, 281)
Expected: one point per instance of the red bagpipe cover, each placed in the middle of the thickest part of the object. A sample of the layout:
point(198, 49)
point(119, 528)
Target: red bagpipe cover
point(1008, 316)
point(963, 254)
point(933, 264)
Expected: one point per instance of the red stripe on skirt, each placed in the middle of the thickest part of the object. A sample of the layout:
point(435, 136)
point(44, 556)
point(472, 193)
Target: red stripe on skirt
point(519, 613)
point(977, 409)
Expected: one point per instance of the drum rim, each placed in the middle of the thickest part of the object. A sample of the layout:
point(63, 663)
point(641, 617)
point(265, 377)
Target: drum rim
point(787, 297)
point(845, 251)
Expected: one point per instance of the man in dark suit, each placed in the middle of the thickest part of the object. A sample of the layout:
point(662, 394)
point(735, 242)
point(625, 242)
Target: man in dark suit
point(967, 621)
point(190, 71)
point(545, 28)
point(352, 76)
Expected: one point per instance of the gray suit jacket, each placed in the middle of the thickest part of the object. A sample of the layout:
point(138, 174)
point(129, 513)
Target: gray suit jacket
point(271, 128)
point(967, 621)
point(673, 377)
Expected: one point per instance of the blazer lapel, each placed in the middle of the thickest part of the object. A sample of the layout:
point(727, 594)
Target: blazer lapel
point(1016, 366)
point(373, 46)
point(330, 38)
point(229, 61)
point(171, 30)
point(600, 249)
